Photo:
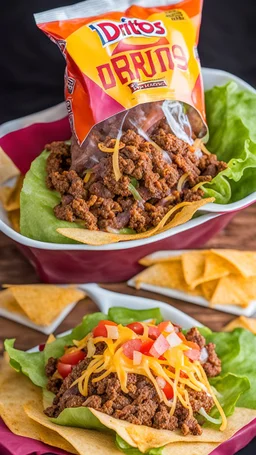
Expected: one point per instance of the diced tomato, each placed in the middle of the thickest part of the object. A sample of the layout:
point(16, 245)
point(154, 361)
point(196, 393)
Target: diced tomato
point(100, 330)
point(192, 354)
point(182, 337)
point(159, 347)
point(130, 346)
point(153, 332)
point(146, 346)
point(192, 345)
point(64, 369)
point(72, 358)
point(168, 391)
point(165, 326)
point(136, 327)
point(41, 347)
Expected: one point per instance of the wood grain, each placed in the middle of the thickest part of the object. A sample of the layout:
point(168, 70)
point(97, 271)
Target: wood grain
point(14, 268)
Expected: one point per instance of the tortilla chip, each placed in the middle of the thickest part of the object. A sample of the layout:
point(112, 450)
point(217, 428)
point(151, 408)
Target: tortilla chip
point(14, 218)
point(243, 322)
point(8, 302)
point(193, 264)
point(243, 261)
point(229, 292)
point(42, 303)
point(208, 288)
point(10, 197)
point(7, 167)
point(16, 390)
point(84, 441)
point(146, 438)
point(180, 214)
point(156, 259)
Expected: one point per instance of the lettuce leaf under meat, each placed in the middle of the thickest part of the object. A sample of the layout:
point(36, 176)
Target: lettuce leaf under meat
point(232, 137)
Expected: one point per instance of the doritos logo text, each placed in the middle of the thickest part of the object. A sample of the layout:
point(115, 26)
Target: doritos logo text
point(111, 32)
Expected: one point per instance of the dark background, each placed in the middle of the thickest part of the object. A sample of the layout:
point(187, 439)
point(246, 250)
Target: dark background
point(31, 67)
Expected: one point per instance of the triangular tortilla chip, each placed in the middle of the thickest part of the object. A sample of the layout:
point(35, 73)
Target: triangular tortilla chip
point(208, 288)
point(7, 167)
point(156, 259)
point(42, 303)
point(243, 261)
point(86, 442)
point(10, 197)
point(14, 218)
point(193, 264)
point(168, 275)
point(179, 214)
point(243, 322)
point(229, 292)
point(146, 438)
point(16, 390)
point(8, 302)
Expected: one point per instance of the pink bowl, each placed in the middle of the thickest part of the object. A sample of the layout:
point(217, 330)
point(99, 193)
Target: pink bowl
point(25, 138)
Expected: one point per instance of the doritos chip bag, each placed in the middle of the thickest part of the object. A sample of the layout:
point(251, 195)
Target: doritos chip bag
point(134, 96)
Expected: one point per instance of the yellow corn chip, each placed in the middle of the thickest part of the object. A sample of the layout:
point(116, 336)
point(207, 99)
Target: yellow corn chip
point(193, 264)
point(243, 261)
point(168, 275)
point(229, 292)
point(42, 303)
point(208, 288)
point(86, 442)
point(8, 302)
point(146, 438)
point(179, 214)
point(12, 195)
point(151, 260)
point(7, 167)
point(15, 391)
point(14, 217)
point(243, 322)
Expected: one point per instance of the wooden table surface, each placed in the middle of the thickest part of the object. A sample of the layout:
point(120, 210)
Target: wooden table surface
point(15, 269)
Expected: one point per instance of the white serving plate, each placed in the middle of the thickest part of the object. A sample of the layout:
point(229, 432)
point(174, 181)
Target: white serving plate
point(198, 300)
point(211, 78)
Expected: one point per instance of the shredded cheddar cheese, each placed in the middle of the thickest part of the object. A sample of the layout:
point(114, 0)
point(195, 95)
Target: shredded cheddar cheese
point(174, 367)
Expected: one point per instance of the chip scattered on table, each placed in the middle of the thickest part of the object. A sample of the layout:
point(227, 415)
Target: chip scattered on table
point(222, 277)
point(41, 303)
point(241, 322)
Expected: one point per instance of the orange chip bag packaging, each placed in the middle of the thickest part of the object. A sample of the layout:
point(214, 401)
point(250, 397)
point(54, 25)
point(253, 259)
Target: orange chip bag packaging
point(128, 67)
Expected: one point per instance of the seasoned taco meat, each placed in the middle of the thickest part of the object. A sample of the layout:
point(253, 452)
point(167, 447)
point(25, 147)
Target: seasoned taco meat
point(141, 405)
point(153, 166)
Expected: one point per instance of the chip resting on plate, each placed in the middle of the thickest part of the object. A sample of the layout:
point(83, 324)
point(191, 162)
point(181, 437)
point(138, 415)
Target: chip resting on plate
point(41, 303)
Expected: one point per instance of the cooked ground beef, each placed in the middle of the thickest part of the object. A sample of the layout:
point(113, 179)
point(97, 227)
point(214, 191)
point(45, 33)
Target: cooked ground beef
point(155, 167)
point(141, 405)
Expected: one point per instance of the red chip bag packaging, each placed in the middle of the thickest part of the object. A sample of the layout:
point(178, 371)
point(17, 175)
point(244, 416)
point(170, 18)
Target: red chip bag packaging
point(128, 67)
point(133, 87)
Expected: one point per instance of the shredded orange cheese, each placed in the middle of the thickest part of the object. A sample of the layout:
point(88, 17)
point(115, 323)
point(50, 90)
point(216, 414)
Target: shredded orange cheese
point(199, 144)
point(182, 181)
point(113, 360)
point(115, 158)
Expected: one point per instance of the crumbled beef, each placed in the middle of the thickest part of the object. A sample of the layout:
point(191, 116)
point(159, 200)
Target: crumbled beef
point(54, 385)
point(213, 365)
point(51, 367)
point(195, 336)
point(157, 162)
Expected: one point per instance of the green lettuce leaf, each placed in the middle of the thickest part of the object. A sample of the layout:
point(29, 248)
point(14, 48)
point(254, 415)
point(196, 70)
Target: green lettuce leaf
point(79, 417)
point(229, 388)
point(126, 316)
point(31, 364)
point(237, 351)
point(232, 129)
point(37, 219)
